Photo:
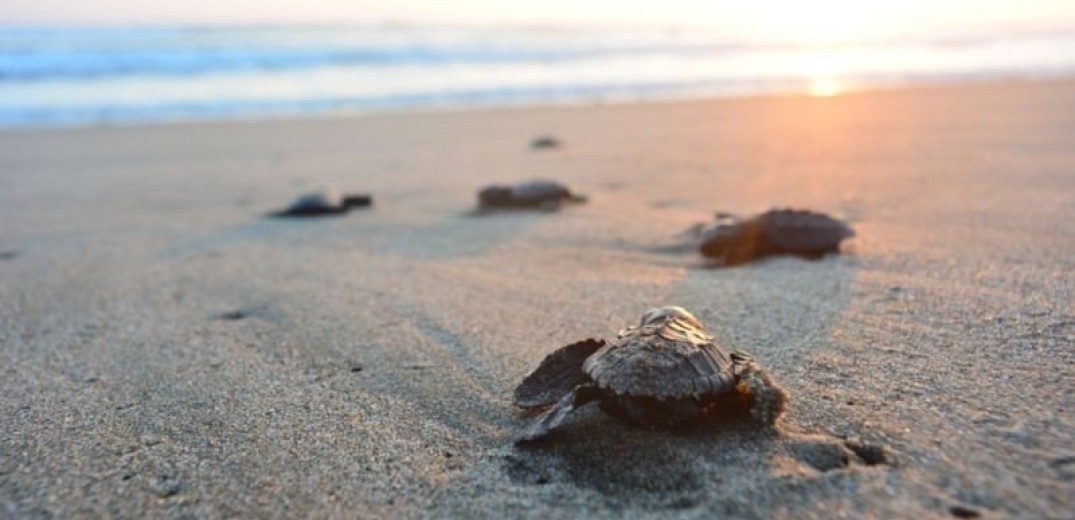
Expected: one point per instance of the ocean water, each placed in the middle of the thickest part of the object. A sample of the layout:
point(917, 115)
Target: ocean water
point(118, 75)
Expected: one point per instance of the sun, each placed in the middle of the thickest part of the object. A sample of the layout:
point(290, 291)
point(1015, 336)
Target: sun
point(825, 87)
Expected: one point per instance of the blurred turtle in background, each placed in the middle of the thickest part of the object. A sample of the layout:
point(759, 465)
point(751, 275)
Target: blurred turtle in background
point(732, 241)
point(324, 203)
point(539, 194)
point(545, 142)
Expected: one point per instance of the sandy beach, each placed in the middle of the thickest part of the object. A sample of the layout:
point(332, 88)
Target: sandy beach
point(371, 370)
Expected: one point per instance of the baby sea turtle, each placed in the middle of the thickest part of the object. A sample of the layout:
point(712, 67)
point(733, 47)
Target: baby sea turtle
point(535, 194)
point(323, 203)
point(776, 232)
point(545, 142)
point(665, 370)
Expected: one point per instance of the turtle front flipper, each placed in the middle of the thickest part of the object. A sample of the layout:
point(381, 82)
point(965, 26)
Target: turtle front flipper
point(541, 425)
point(557, 375)
point(768, 399)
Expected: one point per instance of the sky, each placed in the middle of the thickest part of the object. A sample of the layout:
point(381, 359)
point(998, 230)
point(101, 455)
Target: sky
point(799, 20)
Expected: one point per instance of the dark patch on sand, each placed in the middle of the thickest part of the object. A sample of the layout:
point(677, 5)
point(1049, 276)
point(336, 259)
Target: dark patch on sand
point(238, 314)
point(822, 455)
point(525, 470)
point(1064, 467)
point(963, 512)
point(545, 142)
point(241, 313)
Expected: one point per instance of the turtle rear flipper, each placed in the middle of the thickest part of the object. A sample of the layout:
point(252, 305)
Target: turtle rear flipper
point(557, 375)
point(541, 425)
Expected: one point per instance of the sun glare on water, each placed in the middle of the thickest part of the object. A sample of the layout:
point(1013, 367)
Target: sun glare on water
point(825, 87)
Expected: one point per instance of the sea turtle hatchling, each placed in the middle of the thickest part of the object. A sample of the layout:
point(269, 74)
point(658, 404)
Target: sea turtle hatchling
point(323, 203)
point(803, 233)
point(665, 370)
point(534, 194)
point(545, 142)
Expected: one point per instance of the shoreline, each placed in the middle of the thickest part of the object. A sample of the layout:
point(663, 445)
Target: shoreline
point(800, 91)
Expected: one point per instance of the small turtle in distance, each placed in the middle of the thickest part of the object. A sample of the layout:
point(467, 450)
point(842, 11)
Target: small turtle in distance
point(545, 142)
point(733, 241)
point(324, 203)
point(665, 370)
point(543, 195)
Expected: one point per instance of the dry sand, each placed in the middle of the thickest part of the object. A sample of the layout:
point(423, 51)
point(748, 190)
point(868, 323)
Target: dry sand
point(372, 373)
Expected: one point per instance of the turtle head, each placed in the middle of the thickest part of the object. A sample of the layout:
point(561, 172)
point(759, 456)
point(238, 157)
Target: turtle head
point(357, 200)
point(660, 315)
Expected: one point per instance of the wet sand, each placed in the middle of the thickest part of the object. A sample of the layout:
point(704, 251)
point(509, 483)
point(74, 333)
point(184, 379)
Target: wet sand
point(170, 353)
